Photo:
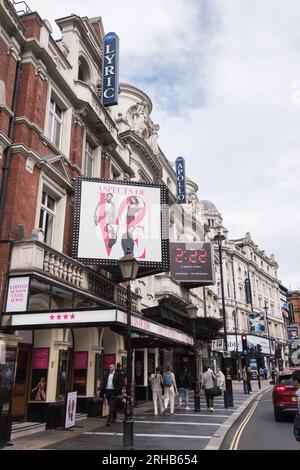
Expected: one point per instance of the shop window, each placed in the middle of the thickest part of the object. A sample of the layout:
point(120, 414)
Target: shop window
point(55, 123)
point(62, 375)
point(39, 295)
point(89, 159)
point(98, 373)
point(61, 298)
point(81, 302)
point(47, 217)
point(7, 372)
point(80, 366)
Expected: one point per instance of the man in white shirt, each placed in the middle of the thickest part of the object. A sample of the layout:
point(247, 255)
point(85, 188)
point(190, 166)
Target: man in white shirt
point(111, 386)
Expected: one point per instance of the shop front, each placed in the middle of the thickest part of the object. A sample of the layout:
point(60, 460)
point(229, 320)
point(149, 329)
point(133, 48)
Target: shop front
point(69, 352)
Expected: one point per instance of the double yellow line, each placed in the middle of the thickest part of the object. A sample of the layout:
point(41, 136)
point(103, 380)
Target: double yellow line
point(235, 441)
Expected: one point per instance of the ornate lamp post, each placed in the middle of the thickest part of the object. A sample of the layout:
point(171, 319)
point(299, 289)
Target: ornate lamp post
point(192, 312)
point(228, 398)
point(129, 267)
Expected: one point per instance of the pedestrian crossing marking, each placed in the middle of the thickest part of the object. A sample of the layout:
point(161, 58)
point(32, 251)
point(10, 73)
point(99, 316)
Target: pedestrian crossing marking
point(182, 436)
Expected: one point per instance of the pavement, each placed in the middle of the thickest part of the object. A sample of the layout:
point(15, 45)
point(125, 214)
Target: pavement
point(184, 430)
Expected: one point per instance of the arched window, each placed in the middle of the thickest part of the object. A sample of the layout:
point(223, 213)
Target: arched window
point(84, 74)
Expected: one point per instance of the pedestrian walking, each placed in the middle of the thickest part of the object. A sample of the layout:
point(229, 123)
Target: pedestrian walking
point(220, 379)
point(265, 373)
point(184, 385)
point(208, 384)
point(156, 382)
point(245, 380)
point(112, 384)
point(170, 389)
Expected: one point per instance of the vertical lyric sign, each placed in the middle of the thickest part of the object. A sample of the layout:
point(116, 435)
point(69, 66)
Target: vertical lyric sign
point(110, 70)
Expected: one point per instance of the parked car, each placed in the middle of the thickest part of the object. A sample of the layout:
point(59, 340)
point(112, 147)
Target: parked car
point(284, 396)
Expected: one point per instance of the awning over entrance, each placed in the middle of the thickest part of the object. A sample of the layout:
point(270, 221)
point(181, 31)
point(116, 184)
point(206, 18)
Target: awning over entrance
point(87, 318)
point(207, 328)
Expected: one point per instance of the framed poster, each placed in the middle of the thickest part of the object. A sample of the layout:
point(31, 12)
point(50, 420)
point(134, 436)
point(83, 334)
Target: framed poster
point(62, 375)
point(17, 294)
point(108, 359)
point(192, 263)
point(112, 217)
point(71, 404)
point(80, 366)
point(39, 375)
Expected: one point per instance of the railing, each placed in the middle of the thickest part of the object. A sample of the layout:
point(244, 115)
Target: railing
point(21, 7)
point(60, 267)
point(34, 256)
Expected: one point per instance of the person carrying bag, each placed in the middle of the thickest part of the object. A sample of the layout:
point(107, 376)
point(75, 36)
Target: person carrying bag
point(210, 387)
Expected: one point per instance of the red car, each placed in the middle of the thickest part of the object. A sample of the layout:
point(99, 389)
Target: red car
point(284, 395)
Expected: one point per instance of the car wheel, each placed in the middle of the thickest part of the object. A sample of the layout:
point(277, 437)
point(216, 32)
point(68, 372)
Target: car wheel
point(278, 414)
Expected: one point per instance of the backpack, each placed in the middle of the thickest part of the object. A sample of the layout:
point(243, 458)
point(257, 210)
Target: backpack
point(168, 379)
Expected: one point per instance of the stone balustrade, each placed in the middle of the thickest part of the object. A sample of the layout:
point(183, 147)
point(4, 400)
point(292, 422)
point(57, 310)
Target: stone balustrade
point(36, 257)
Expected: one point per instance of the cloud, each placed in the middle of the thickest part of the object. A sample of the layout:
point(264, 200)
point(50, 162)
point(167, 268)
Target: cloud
point(224, 78)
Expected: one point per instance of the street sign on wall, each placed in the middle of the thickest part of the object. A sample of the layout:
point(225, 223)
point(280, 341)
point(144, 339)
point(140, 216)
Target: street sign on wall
point(192, 263)
point(180, 181)
point(110, 70)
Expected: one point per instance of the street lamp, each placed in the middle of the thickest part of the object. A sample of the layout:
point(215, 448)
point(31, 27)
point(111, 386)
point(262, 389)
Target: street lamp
point(236, 345)
point(129, 267)
point(192, 312)
point(268, 330)
point(228, 398)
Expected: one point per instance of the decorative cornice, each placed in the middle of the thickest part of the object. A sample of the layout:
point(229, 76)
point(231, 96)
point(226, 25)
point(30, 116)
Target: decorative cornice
point(130, 137)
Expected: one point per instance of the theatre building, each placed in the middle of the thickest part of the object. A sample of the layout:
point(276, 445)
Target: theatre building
point(63, 321)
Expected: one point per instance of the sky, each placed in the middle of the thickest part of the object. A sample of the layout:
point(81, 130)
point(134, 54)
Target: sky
point(224, 79)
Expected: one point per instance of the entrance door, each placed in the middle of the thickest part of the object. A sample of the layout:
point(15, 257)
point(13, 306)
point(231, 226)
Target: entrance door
point(20, 390)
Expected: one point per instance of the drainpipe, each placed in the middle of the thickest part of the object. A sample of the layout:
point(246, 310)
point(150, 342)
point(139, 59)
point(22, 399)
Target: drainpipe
point(7, 152)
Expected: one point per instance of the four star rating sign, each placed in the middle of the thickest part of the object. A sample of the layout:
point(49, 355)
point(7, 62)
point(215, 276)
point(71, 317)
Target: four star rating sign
point(62, 317)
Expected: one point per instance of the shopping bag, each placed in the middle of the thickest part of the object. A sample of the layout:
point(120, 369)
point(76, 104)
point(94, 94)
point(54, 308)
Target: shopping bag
point(105, 407)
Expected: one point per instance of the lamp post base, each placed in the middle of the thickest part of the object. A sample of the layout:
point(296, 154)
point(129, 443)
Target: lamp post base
point(229, 393)
point(128, 434)
point(197, 407)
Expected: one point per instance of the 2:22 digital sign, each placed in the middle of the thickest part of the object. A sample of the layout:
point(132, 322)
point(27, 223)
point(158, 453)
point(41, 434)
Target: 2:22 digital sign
point(192, 263)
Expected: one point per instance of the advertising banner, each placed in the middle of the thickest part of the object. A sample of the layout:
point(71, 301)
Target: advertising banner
point(293, 332)
point(113, 218)
point(17, 294)
point(248, 291)
point(252, 341)
point(192, 263)
point(71, 404)
point(257, 322)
